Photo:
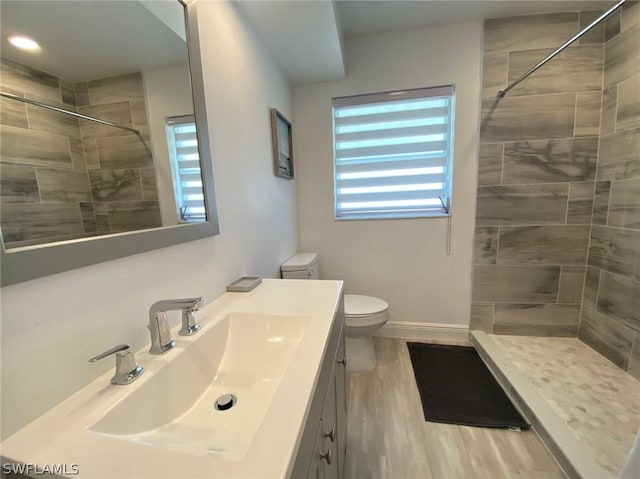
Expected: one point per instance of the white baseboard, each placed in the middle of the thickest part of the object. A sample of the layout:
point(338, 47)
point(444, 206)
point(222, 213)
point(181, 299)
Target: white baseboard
point(424, 331)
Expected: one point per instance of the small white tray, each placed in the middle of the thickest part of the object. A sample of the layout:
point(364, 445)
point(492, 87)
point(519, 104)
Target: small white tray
point(244, 284)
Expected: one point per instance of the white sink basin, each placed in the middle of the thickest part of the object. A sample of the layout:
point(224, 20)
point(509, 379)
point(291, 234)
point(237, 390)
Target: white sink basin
point(241, 354)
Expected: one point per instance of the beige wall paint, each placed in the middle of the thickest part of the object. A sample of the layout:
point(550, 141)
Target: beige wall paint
point(401, 261)
point(51, 326)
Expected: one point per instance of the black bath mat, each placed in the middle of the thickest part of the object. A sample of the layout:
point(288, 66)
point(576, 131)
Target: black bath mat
point(457, 388)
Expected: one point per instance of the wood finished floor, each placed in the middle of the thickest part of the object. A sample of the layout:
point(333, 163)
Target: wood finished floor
point(388, 437)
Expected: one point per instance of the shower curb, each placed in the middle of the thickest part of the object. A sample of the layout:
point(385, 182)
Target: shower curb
point(575, 458)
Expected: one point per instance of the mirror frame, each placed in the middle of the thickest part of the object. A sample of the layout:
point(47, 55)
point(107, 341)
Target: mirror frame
point(33, 262)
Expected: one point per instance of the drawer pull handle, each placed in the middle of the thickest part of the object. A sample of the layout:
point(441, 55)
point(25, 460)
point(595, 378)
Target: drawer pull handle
point(343, 361)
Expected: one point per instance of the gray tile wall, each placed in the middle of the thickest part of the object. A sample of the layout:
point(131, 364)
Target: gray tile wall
point(54, 168)
point(610, 319)
point(537, 174)
point(557, 244)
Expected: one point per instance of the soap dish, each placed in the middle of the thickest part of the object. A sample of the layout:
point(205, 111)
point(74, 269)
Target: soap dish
point(244, 284)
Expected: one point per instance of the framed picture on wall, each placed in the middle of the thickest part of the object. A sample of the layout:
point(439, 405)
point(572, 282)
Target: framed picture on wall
point(282, 145)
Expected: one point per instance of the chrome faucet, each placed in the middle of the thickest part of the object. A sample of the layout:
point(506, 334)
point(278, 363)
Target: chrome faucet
point(127, 370)
point(161, 340)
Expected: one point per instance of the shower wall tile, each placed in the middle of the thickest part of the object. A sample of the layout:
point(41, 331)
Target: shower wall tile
point(596, 34)
point(622, 56)
point(550, 161)
point(92, 160)
point(68, 92)
point(628, 114)
point(630, 15)
point(63, 185)
point(118, 113)
point(528, 118)
point(28, 80)
point(482, 317)
point(522, 204)
point(490, 164)
point(82, 93)
point(612, 25)
point(529, 32)
point(485, 245)
point(580, 208)
point(579, 68)
point(116, 89)
point(134, 215)
point(18, 184)
point(619, 155)
point(615, 250)
point(88, 213)
point(571, 284)
point(494, 73)
point(14, 113)
point(139, 115)
point(609, 338)
point(53, 122)
point(609, 107)
point(25, 221)
point(553, 245)
point(588, 113)
point(78, 161)
point(634, 359)
point(116, 185)
point(130, 151)
point(30, 147)
point(537, 319)
point(624, 204)
point(149, 185)
point(591, 284)
point(519, 284)
point(601, 202)
point(619, 299)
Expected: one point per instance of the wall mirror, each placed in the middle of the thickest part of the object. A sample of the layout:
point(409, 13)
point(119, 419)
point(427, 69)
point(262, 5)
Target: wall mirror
point(104, 148)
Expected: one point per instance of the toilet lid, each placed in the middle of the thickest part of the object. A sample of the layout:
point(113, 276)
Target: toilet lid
point(359, 305)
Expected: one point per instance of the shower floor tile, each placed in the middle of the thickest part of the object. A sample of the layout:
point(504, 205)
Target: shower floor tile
point(598, 401)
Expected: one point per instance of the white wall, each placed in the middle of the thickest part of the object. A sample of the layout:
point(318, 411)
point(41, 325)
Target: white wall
point(167, 93)
point(51, 326)
point(401, 261)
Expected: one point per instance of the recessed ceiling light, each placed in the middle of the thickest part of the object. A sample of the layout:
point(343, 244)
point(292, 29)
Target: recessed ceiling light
point(24, 43)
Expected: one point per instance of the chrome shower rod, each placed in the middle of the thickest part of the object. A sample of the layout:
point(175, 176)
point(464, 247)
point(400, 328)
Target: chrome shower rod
point(67, 112)
point(502, 93)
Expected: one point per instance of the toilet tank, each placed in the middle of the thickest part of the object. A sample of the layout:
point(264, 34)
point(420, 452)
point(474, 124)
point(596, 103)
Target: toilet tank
point(301, 266)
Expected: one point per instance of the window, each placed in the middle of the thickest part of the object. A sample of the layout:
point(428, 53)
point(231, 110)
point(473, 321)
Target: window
point(185, 165)
point(393, 154)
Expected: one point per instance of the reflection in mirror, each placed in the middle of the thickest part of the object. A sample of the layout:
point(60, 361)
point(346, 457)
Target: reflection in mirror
point(64, 177)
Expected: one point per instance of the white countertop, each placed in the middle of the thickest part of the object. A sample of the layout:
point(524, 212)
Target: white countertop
point(61, 435)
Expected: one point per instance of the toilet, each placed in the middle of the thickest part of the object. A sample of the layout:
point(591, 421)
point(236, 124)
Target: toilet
point(362, 314)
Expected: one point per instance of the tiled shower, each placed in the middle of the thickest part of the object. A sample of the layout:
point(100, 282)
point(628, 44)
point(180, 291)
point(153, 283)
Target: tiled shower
point(64, 178)
point(557, 241)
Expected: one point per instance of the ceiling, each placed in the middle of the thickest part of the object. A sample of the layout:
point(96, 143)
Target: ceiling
point(84, 40)
point(369, 17)
point(87, 40)
point(306, 37)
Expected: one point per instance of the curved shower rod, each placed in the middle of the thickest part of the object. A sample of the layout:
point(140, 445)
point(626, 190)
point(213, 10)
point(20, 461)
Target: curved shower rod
point(67, 112)
point(502, 93)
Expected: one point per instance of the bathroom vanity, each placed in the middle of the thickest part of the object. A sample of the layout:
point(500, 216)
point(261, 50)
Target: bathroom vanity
point(279, 350)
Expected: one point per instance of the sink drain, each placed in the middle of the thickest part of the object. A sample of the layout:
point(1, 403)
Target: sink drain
point(226, 401)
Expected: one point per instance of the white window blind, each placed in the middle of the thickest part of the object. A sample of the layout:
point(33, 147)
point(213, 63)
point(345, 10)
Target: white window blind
point(393, 154)
point(185, 163)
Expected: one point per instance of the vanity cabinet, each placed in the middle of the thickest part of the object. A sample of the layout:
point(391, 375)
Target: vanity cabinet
point(322, 450)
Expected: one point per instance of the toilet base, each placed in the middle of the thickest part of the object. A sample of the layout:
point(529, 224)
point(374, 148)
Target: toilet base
point(360, 353)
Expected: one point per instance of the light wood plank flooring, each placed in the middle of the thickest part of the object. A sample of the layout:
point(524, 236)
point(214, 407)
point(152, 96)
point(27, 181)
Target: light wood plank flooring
point(388, 437)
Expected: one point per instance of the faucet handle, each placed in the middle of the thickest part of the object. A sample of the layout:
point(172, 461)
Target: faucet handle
point(189, 325)
point(127, 370)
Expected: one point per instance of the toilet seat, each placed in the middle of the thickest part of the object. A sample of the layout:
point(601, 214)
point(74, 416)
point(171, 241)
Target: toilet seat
point(364, 311)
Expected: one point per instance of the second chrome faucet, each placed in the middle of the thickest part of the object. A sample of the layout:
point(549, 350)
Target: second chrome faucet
point(161, 340)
